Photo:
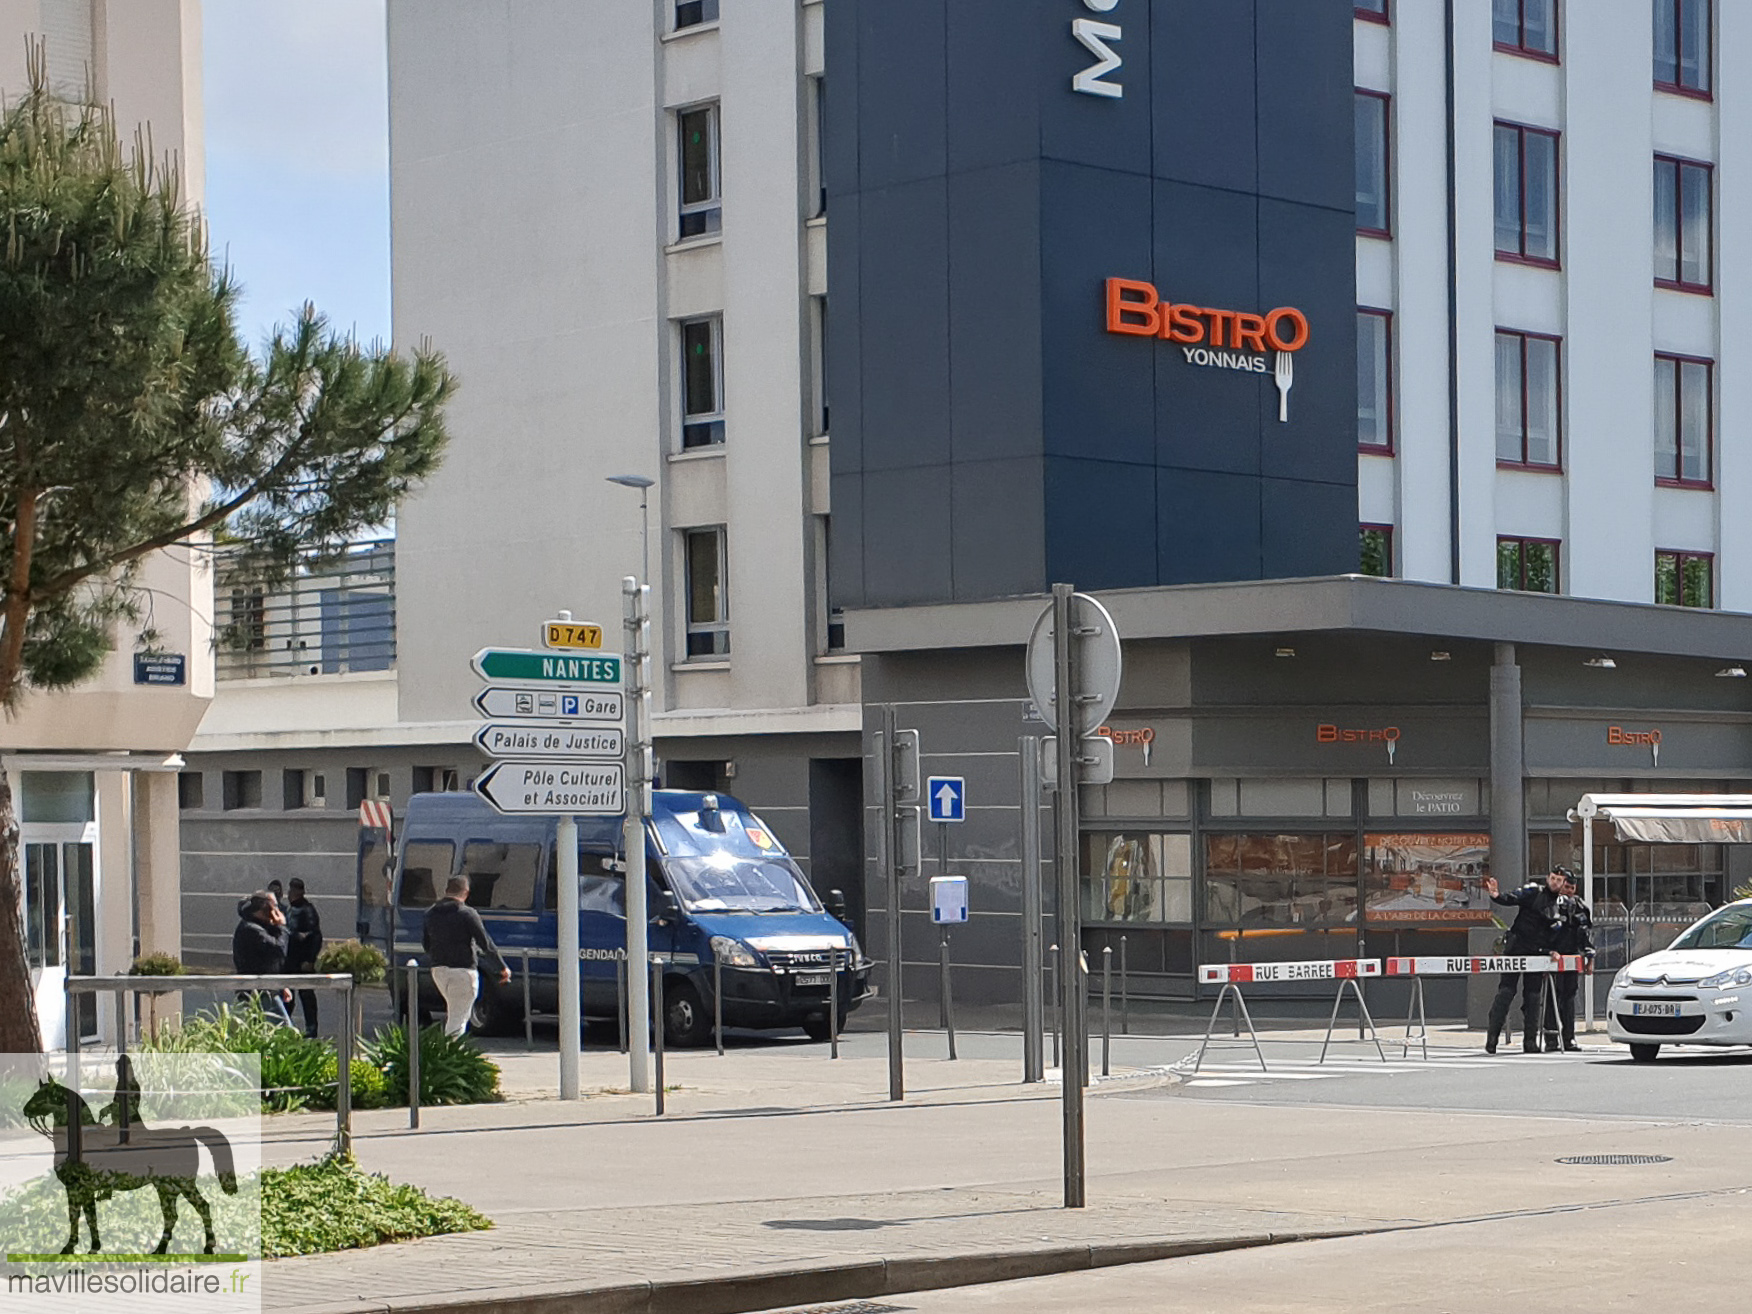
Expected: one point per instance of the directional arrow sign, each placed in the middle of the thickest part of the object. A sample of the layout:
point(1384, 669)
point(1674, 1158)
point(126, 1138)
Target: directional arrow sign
point(948, 798)
point(548, 704)
point(551, 668)
point(587, 789)
point(536, 739)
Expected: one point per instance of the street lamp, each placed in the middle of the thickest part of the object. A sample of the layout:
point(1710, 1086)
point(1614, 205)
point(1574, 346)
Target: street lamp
point(643, 484)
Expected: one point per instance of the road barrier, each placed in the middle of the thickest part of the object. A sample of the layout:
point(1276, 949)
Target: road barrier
point(1232, 976)
point(1545, 966)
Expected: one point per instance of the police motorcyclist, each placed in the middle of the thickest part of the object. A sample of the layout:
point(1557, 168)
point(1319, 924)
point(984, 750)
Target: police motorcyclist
point(1529, 936)
point(1572, 933)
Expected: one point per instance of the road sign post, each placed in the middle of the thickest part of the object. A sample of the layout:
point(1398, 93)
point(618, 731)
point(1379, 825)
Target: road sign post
point(1033, 1012)
point(897, 777)
point(571, 1004)
point(635, 620)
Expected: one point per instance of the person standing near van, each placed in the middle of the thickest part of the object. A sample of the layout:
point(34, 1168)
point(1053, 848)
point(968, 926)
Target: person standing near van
point(258, 948)
point(454, 938)
point(304, 943)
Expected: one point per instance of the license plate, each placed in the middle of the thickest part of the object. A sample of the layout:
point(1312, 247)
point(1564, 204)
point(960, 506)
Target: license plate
point(1654, 1010)
point(811, 978)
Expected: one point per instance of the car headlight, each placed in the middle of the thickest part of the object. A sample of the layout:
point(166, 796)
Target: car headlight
point(1742, 976)
point(733, 953)
point(1622, 979)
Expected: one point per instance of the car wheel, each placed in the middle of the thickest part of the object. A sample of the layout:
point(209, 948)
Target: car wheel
point(686, 1024)
point(1644, 1053)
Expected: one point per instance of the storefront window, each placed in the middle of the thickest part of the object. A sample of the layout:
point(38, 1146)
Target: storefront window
point(1134, 876)
point(1281, 880)
point(1638, 874)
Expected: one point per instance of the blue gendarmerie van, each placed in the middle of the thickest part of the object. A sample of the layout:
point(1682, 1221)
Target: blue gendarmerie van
point(718, 884)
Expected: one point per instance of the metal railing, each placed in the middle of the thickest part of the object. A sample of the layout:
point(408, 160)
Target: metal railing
point(336, 615)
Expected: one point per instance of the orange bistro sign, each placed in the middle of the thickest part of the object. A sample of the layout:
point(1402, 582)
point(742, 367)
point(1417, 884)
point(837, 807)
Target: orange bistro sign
point(1207, 335)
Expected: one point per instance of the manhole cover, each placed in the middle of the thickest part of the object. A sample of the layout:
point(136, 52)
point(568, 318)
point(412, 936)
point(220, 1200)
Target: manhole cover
point(1615, 1159)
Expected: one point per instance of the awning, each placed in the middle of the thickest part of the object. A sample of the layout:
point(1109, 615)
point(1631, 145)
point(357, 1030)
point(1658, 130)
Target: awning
point(1671, 818)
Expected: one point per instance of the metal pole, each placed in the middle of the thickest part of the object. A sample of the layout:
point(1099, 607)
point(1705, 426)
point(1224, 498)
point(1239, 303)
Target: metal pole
point(656, 979)
point(889, 832)
point(1066, 714)
point(1052, 990)
point(620, 997)
point(413, 989)
point(948, 1002)
point(833, 971)
point(1588, 898)
point(1033, 1019)
point(718, 1000)
point(637, 624)
point(528, 1017)
point(1124, 993)
point(344, 1075)
point(571, 1004)
point(1106, 1006)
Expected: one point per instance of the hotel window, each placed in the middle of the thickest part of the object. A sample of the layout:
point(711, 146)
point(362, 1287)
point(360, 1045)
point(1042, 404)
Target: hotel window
point(1685, 579)
point(702, 382)
point(1525, 27)
point(1374, 202)
point(833, 619)
point(1684, 224)
point(1529, 401)
point(707, 592)
point(1375, 381)
point(1375, 551)
point(694, 13)
point(1526, 194)
point(1374, 11)
point(1682, 46)
point(818, 144)
point(818, 364)
point(702, 201)
point(1528, 565)
point(1684, 406)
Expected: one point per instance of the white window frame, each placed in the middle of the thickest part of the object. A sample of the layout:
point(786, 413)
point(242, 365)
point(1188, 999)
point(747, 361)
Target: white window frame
point(709, 211)
point(710, 423)
point(713, 633)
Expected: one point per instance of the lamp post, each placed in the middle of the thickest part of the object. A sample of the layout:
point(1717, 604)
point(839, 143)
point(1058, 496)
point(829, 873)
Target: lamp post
point(643, 484)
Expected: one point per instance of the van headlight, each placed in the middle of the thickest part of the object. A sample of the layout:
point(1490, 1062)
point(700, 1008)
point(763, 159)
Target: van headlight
point(1740, 977)
point(733, 953)
point(856, 948)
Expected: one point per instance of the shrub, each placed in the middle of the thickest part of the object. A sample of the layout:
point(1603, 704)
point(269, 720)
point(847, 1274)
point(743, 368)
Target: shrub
point(370, 1086)
point(452, 1069)
point(334, 1205)
point(365, 963)
point(297, 1072)
point(157, 965)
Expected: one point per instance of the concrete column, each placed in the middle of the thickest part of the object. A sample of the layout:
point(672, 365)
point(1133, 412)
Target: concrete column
point(158, 858)
point(1508, 795)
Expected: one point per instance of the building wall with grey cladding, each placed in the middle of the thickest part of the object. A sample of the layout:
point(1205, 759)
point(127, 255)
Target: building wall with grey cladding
point(227, 856)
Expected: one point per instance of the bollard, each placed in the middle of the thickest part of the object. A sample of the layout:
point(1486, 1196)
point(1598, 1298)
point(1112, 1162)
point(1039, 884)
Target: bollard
point(344, 1075)
point(1124, 993)
point(528, 1018)
point(718, 1000)
point(657, 1026)
point(413, 989)
point(620, 996)
point(948, 996)
point(1106, 1007)
point(1052, 994)
point(833, 1003)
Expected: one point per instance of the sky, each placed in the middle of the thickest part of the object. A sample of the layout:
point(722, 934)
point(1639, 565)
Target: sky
point(298, 158)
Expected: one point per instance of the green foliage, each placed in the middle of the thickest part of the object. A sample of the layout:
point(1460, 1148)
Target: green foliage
point(365, 963)
point(334, 1205)
point(452, 1069)
point(157, 965)
point(297, 1072)
point(1743, 891)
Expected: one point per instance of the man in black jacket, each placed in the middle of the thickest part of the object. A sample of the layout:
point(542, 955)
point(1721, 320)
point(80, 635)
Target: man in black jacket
point(304, 928)
point(1530, 935)
point(453, 936)
point(1573, 933)
point(258, 948)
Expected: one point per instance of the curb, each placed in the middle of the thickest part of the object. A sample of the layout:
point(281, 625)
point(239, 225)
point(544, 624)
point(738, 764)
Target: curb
point(777, 1289)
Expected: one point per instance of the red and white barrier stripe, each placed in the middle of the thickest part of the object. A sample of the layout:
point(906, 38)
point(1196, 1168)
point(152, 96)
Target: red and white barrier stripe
point(1478, 966)
point(1341, 969)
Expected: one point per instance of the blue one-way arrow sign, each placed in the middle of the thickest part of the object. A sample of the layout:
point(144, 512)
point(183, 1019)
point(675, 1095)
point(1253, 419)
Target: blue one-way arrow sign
point(948, 798)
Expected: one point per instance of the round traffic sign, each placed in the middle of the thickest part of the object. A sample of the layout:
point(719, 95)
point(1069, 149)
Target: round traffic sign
point(1097, 664)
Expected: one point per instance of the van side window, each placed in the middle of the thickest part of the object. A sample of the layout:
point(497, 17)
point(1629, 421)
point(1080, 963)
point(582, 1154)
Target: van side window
point(501, 876)
point(426, 865)
point(599, 889)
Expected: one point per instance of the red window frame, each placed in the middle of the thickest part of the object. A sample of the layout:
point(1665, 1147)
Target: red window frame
point(1556, 546)
point(1383, 15)
point(1386, 531)
point(1521, 257)
point(1392, 443)
point(1680, 557)
point(1679, 88)
point(1521, 48)
point(1680, 164)
point(1555, 466)
point(1676, 479)
point(1386, 162)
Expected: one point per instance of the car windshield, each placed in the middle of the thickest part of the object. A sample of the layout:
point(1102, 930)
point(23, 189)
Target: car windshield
point(724, 882)
point(1730, 928)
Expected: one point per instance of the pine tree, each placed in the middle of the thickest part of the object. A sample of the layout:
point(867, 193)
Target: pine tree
point(133, 420)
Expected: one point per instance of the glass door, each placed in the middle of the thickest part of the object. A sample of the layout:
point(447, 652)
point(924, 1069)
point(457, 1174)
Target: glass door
point(60, 929)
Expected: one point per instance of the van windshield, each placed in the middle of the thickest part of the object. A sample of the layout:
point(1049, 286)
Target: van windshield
point(724, 882)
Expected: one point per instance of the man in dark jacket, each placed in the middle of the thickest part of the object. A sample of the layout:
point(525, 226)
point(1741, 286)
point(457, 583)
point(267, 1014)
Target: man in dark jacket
point(453, 936)
point(304, 928)
point(1573, 933)
point(1530, 935)
point(258, 948)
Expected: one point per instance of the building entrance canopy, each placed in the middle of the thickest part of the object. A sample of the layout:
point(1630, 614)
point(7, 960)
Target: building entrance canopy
point(1670, 818)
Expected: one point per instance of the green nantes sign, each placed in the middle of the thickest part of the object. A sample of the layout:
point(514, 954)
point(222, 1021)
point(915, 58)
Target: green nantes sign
point(556, 668)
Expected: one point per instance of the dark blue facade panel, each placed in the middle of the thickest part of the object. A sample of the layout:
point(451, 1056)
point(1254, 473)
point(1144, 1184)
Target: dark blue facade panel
point(1204, 111)
point(994, 52)
point(903, 297)
point(994, 312)
point(1101, 131)
point(845, 544)
point(907, 552)
point(1101, 523)
point(999, 530)
point(845, 354)
point(1207, 527)
point(902, 128)
point(1307, 115)
point(1307, 528)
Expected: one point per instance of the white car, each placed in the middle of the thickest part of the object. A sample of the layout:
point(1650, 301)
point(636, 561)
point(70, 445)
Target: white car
point(1697, 991)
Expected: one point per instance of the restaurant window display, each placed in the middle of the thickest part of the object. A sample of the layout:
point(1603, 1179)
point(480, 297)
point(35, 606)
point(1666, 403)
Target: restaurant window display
point(1133, 876)
point(1280, 897)
point(1426, 881)
point(1639, 874)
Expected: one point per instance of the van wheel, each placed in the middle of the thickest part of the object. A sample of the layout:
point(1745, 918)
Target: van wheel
point(686, 1024)
point(1644, 1053)
point(493, 1013)
point(815, 1026)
